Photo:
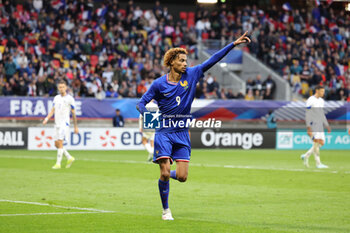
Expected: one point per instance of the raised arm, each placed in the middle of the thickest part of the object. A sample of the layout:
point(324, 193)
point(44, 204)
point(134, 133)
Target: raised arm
point(223, 52)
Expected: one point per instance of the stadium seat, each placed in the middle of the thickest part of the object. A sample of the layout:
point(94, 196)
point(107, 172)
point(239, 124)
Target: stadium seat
point(65, 64)
point(70, 75)
point(58, 56)
point(4, 20)
point(19, 8)
point(56, 63)
point(74, 63)
point(54, 38)
point(190, 23)
point(110, 57)
point(183, 15)
point(31, 50)
point(245, 49)
point(144, 33)
point(191, 15)
point(169, 42)
point(42, 50)
point(123, 12)
point(304, 88)
point(20, 48)
point(93, 60)
point(52, 43)
point(205, 36)
point(16, 15)
point(34, 14)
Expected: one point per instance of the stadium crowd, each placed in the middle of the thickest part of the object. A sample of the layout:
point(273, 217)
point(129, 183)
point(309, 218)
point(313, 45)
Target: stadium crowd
point(305, 48)
point(103, 50)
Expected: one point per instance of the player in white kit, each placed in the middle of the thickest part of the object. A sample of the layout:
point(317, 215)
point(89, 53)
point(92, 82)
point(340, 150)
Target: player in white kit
point(315, 120)
point(148, 134)
point(63, 104)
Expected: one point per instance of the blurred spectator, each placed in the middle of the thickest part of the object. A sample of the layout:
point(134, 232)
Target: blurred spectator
point(118, 120)
point(258, 85)
point(32, 89)
point(271, 120)
point(270, 84)
point(111, 93)
point(92, 45)
point(141, 88)
point(213, 86)
point(250, 84)
point(249, 95)
point(257, 95)
point(296, 68)
point(100, 94)
point(229, 94)
point(222, 94)
point(10, 68)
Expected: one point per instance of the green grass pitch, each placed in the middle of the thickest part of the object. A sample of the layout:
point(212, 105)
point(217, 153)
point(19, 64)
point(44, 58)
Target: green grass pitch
point(227, 191)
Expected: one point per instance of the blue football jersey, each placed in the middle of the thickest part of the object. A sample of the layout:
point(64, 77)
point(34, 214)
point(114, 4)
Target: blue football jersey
point(175, 99)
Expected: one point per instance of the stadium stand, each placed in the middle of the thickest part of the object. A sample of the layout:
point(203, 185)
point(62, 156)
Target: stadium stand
point(105, 50)
point(306, 48)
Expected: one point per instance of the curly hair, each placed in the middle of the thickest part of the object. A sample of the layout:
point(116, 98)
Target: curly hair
point(171, 54)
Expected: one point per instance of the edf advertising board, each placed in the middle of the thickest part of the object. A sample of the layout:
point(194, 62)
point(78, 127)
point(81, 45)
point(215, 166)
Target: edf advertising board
point(87, 139)
point(300, 140)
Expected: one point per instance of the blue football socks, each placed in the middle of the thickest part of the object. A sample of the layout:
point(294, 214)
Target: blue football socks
point(164, 192)
point(173, 174)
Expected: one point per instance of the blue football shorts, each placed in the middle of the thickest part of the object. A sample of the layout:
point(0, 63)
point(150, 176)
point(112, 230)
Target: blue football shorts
point(175, 146)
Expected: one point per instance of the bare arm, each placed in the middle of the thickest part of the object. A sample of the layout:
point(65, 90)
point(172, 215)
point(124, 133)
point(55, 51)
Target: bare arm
point(49, 116)
point(309, 132)
point(140, 123)
point(75, 122)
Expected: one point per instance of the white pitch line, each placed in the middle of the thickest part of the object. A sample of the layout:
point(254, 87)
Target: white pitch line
point(191, 164)
point(57, 213)
point(58, 206)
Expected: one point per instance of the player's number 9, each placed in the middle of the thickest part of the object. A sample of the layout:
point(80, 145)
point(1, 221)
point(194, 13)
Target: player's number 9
point(178, 100)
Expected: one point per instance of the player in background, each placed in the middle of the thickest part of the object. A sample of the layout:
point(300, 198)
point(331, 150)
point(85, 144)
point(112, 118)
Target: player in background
point(148, 134)
point(315, 120)
point(174, 93)
point(63, 104)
